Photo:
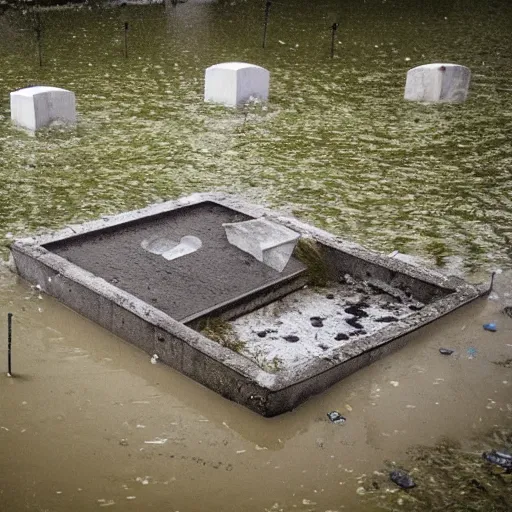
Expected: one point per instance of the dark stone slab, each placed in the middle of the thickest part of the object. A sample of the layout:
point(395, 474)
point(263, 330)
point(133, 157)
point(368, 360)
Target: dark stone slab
point(183, 288)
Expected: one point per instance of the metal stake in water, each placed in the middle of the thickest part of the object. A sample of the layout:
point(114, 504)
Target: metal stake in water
point(38, 37)
point(9, 342)
point(126, 39)
point(267, 13)
point(334, 28)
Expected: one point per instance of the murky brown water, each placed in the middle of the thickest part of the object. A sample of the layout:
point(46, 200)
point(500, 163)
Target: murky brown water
point(81, 421)
point(89, 422)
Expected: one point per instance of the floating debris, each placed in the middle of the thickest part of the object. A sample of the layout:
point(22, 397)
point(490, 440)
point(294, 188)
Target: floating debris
point(502, 459)
point(472, 352)
point(446, 351)
point(154, 359)
point(490, 327)
point(394, 383)
point(508, 311)
point(157, 440)
point(336, 417)
point(402, 479)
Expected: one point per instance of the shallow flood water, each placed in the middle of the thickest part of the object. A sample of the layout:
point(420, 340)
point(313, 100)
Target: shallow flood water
point(88, 422)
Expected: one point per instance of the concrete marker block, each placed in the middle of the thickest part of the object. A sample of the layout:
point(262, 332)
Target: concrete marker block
point(234, 83)
point(36, 107)
point(447, 83)
point(268, 242)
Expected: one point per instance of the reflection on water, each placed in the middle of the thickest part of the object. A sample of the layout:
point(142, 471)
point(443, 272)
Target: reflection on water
point(84, 422)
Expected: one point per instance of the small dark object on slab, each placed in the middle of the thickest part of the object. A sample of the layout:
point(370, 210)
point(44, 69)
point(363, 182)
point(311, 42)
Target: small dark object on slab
point(354, 323)
point(291, 338)
point(323, 346)
point(336, 417)
point(501, 459)
point(341, 336)
point(356, 311)
point(262, 334)
point(402, 479)
point(329, 296)
point(508, 311)
point(387, 319)
point(358, 332)
point(446, 351)
point(316, 321)
point(415, 307)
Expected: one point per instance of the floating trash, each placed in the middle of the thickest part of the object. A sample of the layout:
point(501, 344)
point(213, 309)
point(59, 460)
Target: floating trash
point(490, 327)
point(501, 459)
point(472, 352)
point(154, 359)
point(402, 479)
point(336, 417)
point(446, 351)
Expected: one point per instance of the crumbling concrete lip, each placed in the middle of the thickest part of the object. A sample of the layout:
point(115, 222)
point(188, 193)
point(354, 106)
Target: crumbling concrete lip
point(119, 300)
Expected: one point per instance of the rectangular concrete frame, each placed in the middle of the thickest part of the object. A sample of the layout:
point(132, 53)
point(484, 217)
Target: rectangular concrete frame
point(222, 370)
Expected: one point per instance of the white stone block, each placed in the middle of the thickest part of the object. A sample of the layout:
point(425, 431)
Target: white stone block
point(36, 107)
point(267, 241)
point(438, 83)
point(233, 83)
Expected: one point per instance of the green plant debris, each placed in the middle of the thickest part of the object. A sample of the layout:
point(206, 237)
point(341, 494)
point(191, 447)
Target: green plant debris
point(272, 366)
point(307, 251)
point(448, 478)
point(222, 332)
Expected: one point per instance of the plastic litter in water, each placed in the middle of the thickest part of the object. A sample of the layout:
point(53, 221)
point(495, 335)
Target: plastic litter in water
point(490, 327)
point(502, 459)
point(402, 479)
point(154, 359)
point(336, 417)
point(472, 352)
point(446, 351)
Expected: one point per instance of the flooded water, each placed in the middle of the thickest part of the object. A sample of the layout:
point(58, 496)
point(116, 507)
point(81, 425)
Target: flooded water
point(88, 422)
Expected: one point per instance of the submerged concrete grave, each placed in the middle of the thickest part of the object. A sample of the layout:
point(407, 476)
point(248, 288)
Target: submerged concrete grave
point(263, 338)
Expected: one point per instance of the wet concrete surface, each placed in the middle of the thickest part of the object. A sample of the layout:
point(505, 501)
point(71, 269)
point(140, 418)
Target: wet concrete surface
point(216, 273)
point(88, 422)
point(310, 322)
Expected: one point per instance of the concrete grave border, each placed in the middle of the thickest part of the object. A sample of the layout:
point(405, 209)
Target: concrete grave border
point(221, 369)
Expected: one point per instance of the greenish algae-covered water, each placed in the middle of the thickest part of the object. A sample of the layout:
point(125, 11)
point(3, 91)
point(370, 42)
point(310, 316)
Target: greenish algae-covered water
point(337, 146)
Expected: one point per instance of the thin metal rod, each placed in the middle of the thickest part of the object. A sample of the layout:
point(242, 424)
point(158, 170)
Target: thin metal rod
point(9, 343)
point(267, 13)
point(38, 37)
point(126, 39)
point(334, 28)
